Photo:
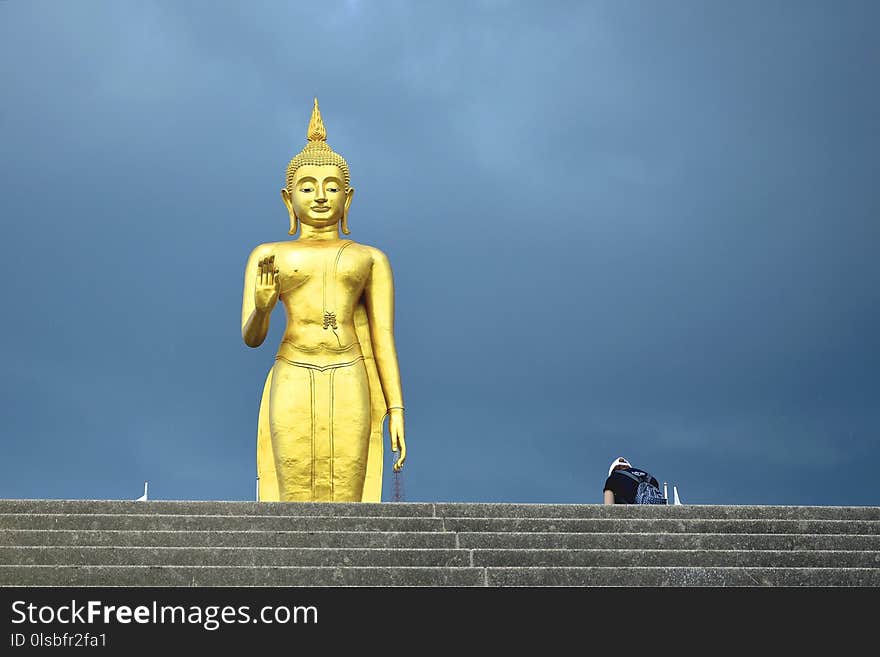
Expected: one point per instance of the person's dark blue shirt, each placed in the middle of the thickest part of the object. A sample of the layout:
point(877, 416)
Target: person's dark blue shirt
point(624, 488)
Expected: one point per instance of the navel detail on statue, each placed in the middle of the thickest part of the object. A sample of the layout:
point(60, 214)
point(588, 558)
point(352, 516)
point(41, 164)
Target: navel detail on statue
point(330, 311)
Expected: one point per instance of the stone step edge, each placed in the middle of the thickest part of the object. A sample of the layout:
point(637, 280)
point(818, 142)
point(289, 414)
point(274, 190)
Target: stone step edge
point(607, 516)
point(100, 556)
point(237, 548)
point(444, 568)
point(407, 533)
point(221, 567)
point(439, 576)
point(42, 500)
point(437, 520)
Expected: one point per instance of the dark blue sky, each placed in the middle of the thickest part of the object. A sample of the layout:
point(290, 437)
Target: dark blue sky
point(617, 228)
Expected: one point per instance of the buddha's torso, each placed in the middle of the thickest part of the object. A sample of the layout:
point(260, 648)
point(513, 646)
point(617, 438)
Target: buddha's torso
point(320, 285)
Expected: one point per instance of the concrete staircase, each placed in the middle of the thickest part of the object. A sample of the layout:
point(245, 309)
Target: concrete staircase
point(165, 543)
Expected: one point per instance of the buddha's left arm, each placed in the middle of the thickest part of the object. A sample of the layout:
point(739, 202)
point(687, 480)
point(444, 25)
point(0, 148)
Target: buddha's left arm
point(379, 298)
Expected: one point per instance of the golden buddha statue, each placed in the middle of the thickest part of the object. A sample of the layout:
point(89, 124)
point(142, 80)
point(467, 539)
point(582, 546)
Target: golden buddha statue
point(335, 376)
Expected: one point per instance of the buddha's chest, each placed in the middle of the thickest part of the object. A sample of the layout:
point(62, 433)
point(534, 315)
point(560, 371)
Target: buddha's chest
point(317, 269)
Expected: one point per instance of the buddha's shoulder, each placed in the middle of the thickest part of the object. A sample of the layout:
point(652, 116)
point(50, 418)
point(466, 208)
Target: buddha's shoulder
point(369, 251)
point(271, 248)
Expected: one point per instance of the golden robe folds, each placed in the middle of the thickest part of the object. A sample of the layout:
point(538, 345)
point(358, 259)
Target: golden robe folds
point(337, 452)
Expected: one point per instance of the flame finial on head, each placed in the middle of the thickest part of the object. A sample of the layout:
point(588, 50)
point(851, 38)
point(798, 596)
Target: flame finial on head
point(316, 125)
point(317, 151)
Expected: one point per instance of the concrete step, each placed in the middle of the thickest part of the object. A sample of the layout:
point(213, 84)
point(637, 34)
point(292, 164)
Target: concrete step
point(210, 508)
point(682, 576)
point(665, 558)
point(714, 512)
point(240, 576)
point(231, 556)
point(423, 524)
point(437, 509)
point(218, 522)
point(438, 540)
point(666, 525)
point(670, 541)
point(160, 538)
point(433, 576)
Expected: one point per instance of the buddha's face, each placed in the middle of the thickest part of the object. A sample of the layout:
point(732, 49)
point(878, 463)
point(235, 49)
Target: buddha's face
point(318, 197)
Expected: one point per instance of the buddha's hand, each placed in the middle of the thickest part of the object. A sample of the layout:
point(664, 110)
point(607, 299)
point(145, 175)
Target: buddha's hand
point(267, 286)
point(395, 428)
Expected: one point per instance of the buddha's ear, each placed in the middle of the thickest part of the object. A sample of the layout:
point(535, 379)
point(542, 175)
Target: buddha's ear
point(288, 203)
point(349, 193)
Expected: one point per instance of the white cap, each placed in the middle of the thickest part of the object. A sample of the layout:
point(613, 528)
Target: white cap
point(618, 461)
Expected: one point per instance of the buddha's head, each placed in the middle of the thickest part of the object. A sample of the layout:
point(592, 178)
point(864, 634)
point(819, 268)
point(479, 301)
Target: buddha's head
point(317, 191)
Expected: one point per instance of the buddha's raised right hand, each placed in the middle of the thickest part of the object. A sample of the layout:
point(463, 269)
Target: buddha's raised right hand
point(267, 287)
